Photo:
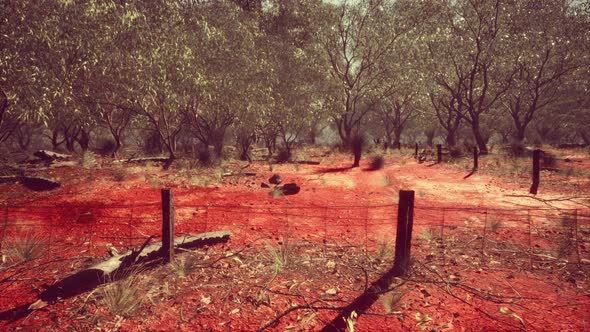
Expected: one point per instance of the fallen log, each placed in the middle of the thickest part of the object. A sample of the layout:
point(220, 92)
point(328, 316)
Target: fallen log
point(38, 184)
point(51, 155)
point(239, 174)
point(9, 179)
point(31, 182)
point(120, 265)
point(144, 159)
point(307, 162)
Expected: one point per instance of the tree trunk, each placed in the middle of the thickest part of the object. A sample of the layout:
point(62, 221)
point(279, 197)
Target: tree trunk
point(451, 139)
point(118, 145)
point(519, 134)
point(83, 139)
point(479, 139)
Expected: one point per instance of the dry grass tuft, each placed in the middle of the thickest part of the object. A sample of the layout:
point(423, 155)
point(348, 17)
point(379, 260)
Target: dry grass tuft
point(28, 246)
point(123, 294)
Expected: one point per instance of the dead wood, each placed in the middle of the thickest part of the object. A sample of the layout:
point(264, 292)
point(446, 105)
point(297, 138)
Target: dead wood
point(8, 179)
point(307, 162)
point(144, 159)
point(51, 155)
point(120, 265)
point(39, 184)
point(239, 174)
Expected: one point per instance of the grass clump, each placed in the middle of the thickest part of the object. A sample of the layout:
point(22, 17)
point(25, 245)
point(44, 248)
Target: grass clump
point(280, 255)
point(185, 265)
point(494, 225)
point(427, 234)
point(123, 294)
point(384, 250)
point(28, 246)
point(88, 160)
point(392, 300)
point(119, 174)
point(565, 243)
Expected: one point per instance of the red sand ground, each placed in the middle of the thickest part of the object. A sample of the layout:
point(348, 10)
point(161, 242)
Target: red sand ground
point(339, 233)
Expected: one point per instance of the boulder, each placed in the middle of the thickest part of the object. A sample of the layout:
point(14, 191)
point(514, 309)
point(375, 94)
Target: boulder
point(290, 189)
point(275, 179)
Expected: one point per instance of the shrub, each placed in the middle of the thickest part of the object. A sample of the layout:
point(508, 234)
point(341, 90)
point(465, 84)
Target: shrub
point(105, 147)
point(377, 163)
point(204, 155)
point(517, 149)
point(152, 143)
point(283, 156)
point(548, 160)
point(456, 152)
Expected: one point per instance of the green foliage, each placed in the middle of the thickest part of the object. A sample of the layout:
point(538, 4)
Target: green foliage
point(206, 68)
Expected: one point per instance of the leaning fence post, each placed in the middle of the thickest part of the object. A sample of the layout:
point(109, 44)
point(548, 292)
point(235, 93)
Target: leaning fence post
point(416, 151)
point(536, 171)
point(439, 153)
point(475, 159)
point(167, 225)
point(403, 240)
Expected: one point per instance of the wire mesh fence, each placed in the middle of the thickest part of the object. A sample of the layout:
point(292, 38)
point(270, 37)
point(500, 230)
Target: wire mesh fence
point(41, 244)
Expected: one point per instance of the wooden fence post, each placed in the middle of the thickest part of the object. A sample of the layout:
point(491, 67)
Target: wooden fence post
point(416, 151)
point(403, 240)
point(167, 225)
point(439, 153)
point(475, 159)
point(363, 302)
point(536, 171)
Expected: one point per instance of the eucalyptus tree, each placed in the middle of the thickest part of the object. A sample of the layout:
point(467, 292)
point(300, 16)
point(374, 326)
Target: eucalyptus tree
point(540, 36)
point(402, 94)
point(20, 74)
point(232, 73)
point(468, 68)
point(296, 78)
point(46, 62)
point(166, 68)
point(361, 34)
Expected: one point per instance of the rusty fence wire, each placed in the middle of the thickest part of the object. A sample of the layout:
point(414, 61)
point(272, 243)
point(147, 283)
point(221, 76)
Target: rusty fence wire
point(61, 239)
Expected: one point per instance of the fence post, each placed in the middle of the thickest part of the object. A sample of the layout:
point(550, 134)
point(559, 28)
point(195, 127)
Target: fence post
point(475, 159)
point(536, 171)
point(439, 153)
point(576, 239)
point(403, 241)
point(416, 151)
point(167, 225)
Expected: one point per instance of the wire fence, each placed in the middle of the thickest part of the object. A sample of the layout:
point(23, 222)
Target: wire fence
point(61, 239)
